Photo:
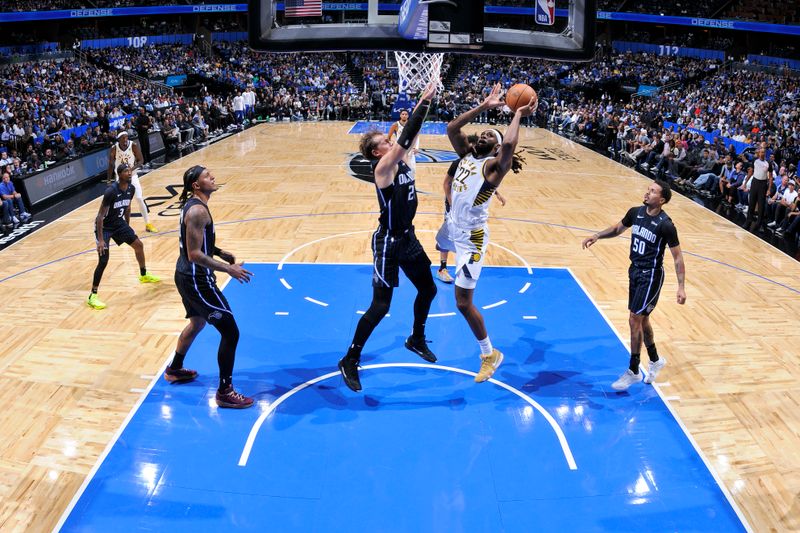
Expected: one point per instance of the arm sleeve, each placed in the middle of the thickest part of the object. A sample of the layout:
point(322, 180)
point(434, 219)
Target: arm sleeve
point(670, 234)
point(627, 220)
point(414, 124)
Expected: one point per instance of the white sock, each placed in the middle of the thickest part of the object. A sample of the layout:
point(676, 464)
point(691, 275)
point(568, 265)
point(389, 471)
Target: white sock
point(143, 210)
point(486, 346)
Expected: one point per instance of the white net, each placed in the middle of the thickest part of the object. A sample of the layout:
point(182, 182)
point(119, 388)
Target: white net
point(417, 69)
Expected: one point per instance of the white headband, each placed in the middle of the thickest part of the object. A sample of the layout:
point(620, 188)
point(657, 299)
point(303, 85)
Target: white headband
point(497, 135)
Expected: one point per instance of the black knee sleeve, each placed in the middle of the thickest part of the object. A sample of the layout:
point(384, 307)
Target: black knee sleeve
point(227, 346)
point(102, 262)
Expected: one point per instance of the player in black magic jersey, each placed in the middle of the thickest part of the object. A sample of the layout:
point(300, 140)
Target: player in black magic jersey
point(394, 244)
point(652, 231)
point(113, 222)
point(197, 284)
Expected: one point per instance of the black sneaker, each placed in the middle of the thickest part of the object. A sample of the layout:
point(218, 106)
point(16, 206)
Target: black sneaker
point(349, 370)
point(420, 347)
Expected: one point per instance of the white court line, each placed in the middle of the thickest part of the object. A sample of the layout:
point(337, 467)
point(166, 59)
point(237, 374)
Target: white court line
point(315, 241)
point(673, 398)
point(286, 284)
point(529, 317)
point(665, 384)
point(313, 301)
point(525, 287)
point(109, 446)
point(282, 313)
point(116, 437)
point(700, 453)
point(562, 439)
point(496, 304)
point(437, 315)
point(146, 376)
point(138, 390)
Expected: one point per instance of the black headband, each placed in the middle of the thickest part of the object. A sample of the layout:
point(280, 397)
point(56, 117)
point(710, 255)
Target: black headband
point(194, 173)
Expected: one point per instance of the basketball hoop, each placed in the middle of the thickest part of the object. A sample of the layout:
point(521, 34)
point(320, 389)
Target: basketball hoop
point(418, 69)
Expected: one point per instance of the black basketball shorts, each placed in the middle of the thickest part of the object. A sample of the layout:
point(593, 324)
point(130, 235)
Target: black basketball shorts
point(201, 297)
point(393, 251)
point(121, 234)
point(644, 288)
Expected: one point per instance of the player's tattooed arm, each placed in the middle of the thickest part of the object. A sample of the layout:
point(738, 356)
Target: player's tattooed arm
point(680, 272)
point(196, 220)
point(225, 256)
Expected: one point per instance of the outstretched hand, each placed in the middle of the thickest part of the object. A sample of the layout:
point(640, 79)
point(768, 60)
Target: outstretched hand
point(530, 108)
point(239, 273)
point(587, 242)
point(493, 100)
point(430, 90)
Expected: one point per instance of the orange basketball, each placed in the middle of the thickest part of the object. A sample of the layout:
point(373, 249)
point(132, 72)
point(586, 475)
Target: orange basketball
point(519, 95)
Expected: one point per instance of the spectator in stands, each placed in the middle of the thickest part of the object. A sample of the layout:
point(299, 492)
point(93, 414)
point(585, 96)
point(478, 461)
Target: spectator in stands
point(200, 126)
point(143, 133)
point(782, 202)
point(729, 184)
point(790, 226)
point(239, 107)
point(11, 199)
point(171, 133)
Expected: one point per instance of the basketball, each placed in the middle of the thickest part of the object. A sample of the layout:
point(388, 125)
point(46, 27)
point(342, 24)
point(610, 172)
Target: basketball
point(519, 95)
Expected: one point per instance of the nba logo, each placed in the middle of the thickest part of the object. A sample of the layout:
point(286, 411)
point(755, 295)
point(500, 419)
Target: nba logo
point(545, 12)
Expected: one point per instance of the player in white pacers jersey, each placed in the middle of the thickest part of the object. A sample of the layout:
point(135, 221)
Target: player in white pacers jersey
point(482, 168)
point(397, 129)
point(125, 151)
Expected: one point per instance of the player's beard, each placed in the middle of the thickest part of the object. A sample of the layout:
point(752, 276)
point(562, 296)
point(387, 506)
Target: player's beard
point(483, 150)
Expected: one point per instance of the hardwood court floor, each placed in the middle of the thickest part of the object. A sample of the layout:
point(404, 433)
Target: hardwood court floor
point(70, 375)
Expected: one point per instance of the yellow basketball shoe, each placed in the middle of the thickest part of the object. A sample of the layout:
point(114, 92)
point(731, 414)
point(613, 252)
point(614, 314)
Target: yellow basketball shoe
point(489, 365)
point(151, 228)
point(149, 278)
point(94, 302)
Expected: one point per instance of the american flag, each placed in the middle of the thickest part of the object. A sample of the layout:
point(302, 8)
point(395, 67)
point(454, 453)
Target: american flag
point(303, 8)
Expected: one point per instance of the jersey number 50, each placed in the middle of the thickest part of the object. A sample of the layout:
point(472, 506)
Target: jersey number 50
point(638, 246)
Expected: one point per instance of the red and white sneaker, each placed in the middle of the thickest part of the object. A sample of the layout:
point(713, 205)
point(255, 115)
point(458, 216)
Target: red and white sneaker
point(233, 400)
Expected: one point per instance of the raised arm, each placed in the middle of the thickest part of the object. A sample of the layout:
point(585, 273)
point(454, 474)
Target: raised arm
point(497, 168)
point(385, 169)
point(457, 137)
point(196, 220)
